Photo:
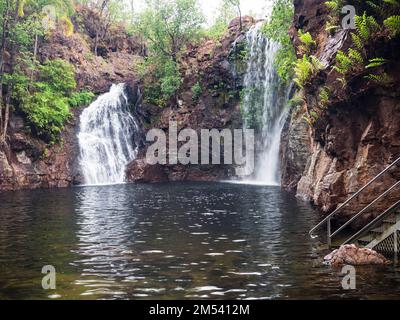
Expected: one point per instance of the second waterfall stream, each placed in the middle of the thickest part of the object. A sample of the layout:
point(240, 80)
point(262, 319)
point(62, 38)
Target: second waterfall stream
point(264, 105)
point(106, 138)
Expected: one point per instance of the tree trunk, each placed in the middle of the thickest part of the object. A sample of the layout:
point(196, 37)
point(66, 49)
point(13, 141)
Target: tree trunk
point(35, 51)
point(99, 26)
point(3, 48)
point(10, 85)
point(240, 19)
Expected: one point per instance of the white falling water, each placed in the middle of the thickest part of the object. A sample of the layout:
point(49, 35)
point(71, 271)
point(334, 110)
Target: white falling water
point(106, 138)
point(264, 99)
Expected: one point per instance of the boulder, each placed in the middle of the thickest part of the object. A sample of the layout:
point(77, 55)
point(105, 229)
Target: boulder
point(353, 255)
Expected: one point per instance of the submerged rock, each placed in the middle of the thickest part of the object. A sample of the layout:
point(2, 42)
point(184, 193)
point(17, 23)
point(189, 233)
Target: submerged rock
point(352, 255)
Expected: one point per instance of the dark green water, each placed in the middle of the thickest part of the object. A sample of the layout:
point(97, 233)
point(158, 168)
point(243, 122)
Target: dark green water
point(176, 241)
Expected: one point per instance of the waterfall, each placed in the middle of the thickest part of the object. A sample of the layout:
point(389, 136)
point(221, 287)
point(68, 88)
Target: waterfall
point(264, 104)
point(107, 138)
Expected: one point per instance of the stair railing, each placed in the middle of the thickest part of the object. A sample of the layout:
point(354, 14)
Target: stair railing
point(328, 219)
point(373, 223)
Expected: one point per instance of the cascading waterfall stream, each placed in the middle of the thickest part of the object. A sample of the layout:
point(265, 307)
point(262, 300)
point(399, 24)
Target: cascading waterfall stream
point(264, 99)
point(106, 138)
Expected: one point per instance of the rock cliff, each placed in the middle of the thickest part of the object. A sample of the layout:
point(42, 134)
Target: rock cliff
point(29, 163)
point(217, 66)
point(358, 133)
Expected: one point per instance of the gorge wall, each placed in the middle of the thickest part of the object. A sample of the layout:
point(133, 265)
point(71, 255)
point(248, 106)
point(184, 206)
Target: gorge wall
point(27, 162)
point(358, 133)
point(218, 66)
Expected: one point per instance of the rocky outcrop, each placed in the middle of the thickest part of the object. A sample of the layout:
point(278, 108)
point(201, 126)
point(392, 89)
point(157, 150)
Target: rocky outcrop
point(352, 255)
point(355, 137)
point(114, 64)
point(295, 151)
point(29, 163)
point(216, 67)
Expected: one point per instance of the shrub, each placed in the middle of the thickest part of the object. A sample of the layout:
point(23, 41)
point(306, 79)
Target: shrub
point(59, 75)
point(46, 102)
point(393, 25)
point(80, 99)
point(47, 111)
point(308, 43)
point(196, 91)
point(305, 68)
point(161, 79)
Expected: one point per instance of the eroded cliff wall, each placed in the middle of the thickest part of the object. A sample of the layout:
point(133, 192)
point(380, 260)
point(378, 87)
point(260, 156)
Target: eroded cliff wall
point(27, 162)
point(358, 133)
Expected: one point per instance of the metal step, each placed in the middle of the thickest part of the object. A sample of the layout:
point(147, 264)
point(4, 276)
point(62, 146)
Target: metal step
point(390, 220)
point(366, 240)
point(378, 231)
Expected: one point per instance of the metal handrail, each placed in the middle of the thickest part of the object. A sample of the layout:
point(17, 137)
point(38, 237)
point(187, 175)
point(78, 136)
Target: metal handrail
point(329, 218)
point(372, 223)
point(366, 208)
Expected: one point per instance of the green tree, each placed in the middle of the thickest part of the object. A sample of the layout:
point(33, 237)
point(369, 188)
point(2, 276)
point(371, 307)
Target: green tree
point(168, 25)
point(277, 28)
point(20, 29)
point(237, 5)
point(226, 13)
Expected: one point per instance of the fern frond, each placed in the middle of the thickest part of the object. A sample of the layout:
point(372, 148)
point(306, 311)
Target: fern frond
point(362, 26)
point(307, 41)
point(324, 96)
point(333, 5)
point(343, 63)
point(393, 25)
point(384, 78)
point(316, 64)
point(373, 25)
point(376, 62)
point(374, 6)
point(358, 42)
point(395, 3)
point(355, 56)
point(330, 27)
point(298, 99)
point(308, 121)
point(303, 69)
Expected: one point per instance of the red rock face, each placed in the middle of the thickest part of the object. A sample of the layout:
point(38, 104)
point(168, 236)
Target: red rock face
point(29, 164)
point(354, 139)
point(218, 107)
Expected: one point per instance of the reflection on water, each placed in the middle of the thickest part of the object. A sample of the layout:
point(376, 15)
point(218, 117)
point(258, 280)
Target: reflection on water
point(176, 241)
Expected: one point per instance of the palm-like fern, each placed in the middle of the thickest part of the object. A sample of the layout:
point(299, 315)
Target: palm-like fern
point(323, 96)
point(366, 26)
point(335, 5)
point(393, 25)
point(302, 70)
point(343, 63)
point(383, 78)
point(305, 68)
point(376, 62)
point(308, 43)
point(355, 56)
point(395, 3)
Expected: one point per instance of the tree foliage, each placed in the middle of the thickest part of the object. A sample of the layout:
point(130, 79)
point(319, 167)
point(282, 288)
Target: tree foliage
point(277, 29)
point(167, 26)
point(42, 91)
